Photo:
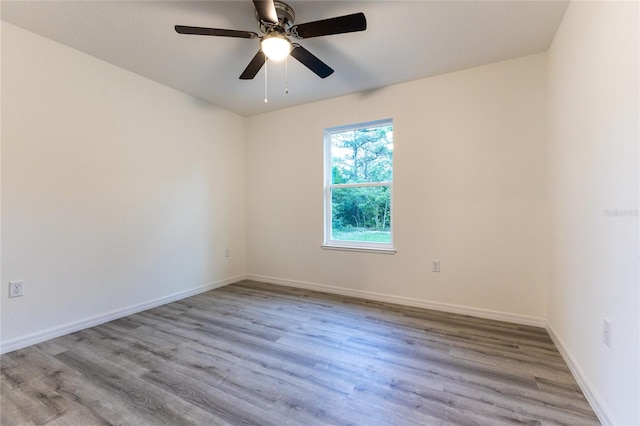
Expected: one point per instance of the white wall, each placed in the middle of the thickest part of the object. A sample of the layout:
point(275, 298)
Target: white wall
point(593, 171)
point(116, 191)
point(469, 190)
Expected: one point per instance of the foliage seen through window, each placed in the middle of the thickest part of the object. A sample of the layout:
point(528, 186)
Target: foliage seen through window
point(361, 161)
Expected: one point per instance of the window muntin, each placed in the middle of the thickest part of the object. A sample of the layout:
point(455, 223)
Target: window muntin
point(359, 185)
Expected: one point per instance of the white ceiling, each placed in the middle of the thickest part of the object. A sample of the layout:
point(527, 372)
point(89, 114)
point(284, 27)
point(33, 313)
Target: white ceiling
point(404, 40)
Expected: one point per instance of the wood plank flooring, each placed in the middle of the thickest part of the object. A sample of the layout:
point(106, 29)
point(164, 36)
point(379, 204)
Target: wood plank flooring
point(259, 354)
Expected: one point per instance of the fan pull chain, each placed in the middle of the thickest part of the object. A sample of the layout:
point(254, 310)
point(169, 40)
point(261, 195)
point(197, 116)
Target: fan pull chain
point(266, 66)
point(286, 76)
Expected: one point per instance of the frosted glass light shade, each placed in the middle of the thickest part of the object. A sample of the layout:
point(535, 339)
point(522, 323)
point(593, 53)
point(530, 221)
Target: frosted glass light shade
point(276, 47)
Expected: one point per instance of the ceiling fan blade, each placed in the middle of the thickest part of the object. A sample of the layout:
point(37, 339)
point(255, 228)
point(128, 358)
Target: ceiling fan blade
point(310, 61)
point(182, 29)
point(254, 66)
point(266, 10)
point(338, 25)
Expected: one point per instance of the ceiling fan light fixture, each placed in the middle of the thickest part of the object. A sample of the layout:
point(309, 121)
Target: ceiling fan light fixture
point(275, 46)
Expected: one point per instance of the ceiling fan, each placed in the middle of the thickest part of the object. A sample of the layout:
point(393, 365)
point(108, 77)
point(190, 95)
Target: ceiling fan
point(276, 21)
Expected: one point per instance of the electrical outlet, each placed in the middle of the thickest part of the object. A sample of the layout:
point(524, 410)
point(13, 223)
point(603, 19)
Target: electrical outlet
point(435, 265)
point(16, 288)
point(606, 332)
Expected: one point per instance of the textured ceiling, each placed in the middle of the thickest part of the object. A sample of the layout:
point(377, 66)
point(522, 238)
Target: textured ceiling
point(405, 40)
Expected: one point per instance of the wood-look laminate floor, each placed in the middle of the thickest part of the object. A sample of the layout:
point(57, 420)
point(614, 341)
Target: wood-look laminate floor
point(253, 353)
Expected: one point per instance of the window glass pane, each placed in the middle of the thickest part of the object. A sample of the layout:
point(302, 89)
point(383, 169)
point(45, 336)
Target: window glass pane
point(361, 214)
point(362, 155)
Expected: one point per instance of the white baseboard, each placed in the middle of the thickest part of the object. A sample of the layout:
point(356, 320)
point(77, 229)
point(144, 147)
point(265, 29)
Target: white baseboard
point(604, 415)
point(54, 332)
point(407, 301)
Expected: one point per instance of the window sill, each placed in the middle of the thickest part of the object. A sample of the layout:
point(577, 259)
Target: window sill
point(360, 249)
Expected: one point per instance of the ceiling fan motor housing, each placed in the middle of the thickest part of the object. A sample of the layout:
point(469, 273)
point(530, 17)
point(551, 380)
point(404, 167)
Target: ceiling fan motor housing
point(286, 18)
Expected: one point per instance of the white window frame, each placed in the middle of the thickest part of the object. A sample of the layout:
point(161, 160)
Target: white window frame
point(329, 243)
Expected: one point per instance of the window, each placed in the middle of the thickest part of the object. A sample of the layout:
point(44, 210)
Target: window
point(358, 186)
